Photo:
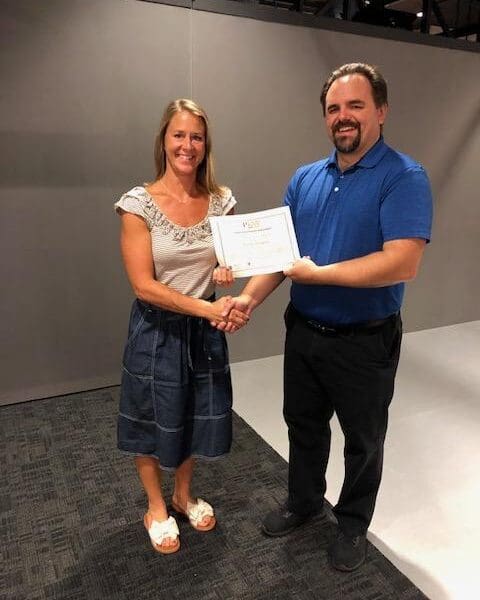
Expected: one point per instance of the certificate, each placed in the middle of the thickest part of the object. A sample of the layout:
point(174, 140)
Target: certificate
point(255, 243)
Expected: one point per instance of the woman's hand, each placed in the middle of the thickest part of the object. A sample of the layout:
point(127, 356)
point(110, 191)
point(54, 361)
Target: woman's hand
point(223, 276)
point(238, 316)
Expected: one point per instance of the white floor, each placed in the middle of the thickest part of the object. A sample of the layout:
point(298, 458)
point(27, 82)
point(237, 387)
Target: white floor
point(426, 519)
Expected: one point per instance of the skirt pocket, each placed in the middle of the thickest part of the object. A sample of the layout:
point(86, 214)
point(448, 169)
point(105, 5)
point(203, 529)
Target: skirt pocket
point(144, 337)
point(137, 317)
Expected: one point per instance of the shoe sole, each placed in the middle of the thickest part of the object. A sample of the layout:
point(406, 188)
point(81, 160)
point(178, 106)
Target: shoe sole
point(162, 549)
point(181, 516)
point(320, 517)
point(167, 549)
point(281, 533)
point(344, 568)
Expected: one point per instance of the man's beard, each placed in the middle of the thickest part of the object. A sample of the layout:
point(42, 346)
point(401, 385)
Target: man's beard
point(346, 145)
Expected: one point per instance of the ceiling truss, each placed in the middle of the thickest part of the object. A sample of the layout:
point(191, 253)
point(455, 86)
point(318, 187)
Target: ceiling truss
point(449, 18)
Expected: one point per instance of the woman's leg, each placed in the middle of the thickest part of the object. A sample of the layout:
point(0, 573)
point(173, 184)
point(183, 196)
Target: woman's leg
point(151, 478)
point(182, 493)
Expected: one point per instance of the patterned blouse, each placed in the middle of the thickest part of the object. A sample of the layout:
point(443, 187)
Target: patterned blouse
point(184, 257)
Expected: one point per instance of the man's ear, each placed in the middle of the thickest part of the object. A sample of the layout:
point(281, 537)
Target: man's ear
point(382, 113)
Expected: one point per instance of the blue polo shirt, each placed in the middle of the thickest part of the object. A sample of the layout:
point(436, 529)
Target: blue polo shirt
point(338, 216)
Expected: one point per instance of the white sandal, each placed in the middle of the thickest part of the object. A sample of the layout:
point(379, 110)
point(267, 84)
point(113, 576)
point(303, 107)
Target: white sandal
point(159, 531)
point(196, 512)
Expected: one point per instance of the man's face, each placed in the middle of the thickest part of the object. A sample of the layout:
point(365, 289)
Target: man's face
point(352, 119)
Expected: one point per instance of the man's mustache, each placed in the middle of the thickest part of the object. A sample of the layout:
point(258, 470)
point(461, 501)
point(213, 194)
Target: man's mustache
point(341, 124)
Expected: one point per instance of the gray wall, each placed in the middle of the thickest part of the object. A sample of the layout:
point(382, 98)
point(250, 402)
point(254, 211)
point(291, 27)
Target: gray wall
point(83, 86)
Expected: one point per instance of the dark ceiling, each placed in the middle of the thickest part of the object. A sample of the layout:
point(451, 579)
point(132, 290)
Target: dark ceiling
point(458, 19)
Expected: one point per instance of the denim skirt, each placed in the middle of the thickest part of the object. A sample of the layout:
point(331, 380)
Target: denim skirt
point(176, 393)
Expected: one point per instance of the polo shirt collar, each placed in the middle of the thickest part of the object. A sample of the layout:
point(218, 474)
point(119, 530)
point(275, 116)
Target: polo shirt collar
point(368, 160)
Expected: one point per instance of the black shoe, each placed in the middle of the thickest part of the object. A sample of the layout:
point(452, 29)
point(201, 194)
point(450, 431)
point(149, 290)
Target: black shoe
point(347, 553)
point(282, 521)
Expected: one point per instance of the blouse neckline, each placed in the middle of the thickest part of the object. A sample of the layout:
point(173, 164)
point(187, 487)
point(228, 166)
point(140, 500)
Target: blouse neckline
point(195, 232)
point(172, 223)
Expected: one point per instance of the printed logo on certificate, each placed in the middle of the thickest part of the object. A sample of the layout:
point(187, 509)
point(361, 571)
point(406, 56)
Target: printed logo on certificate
point(255, 243)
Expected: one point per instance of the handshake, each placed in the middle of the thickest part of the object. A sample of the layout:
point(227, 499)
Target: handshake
point(231, 313)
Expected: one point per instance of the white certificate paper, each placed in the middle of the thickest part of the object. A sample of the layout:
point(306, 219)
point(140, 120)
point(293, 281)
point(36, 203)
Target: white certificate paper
point(255, 243)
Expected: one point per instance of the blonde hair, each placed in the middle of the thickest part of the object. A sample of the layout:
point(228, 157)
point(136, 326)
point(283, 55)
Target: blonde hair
point(205, 172)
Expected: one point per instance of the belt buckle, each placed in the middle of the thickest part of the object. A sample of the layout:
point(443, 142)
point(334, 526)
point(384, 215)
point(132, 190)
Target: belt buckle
point(322, 328)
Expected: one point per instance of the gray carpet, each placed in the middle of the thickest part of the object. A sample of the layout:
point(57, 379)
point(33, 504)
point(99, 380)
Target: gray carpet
point(71, 528)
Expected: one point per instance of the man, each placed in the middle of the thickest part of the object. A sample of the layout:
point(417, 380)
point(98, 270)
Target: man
point(362, 218)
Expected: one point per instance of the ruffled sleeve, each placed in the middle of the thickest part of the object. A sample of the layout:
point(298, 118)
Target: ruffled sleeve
point(228, 201)
point(137, 202)
point(223, 203)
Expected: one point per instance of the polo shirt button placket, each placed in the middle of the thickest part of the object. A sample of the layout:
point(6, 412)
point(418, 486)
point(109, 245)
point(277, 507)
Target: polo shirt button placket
point(337, 186)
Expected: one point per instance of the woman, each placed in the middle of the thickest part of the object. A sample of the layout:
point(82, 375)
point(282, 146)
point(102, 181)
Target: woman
point(176, 396)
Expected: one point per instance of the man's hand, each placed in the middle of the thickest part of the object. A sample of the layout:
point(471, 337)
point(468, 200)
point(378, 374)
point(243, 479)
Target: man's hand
point(219, 308)
point(303, 270)
point(253, 294)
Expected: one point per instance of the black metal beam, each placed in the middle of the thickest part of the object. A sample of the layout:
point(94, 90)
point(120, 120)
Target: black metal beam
point(347, 10)
point(252, 10)
point(440, 18)
point(427, 16)
point(477, 39)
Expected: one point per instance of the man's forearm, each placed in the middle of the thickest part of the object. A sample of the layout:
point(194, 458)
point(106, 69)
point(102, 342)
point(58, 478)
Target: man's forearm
point(368, 271)
point(260, 286)
point(397, 262)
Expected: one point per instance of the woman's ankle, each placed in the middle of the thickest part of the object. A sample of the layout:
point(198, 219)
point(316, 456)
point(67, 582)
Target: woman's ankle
point(158, 511)
point(181, 499)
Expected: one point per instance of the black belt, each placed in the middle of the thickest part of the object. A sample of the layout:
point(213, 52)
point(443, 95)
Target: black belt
point(350, 329)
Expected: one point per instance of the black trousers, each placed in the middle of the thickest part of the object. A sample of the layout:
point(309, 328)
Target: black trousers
point(351, 374)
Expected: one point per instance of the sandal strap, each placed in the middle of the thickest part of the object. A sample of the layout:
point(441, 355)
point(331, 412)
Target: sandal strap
point(161, 530)
point(196, 511)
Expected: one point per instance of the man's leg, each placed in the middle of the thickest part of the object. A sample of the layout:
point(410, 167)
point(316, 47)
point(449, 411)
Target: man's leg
point(361, 404)
point(307, 412)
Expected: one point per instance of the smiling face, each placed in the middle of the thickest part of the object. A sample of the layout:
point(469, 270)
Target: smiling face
point(184, 143)
point(352, 119)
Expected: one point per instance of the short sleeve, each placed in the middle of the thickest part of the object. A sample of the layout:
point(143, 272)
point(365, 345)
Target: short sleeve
point(407, 206)
point(135, 202)
point(290, 196)
point(227, 200)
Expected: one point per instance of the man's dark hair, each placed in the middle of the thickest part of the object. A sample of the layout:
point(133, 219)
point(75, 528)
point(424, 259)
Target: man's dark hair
point(377, 82)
